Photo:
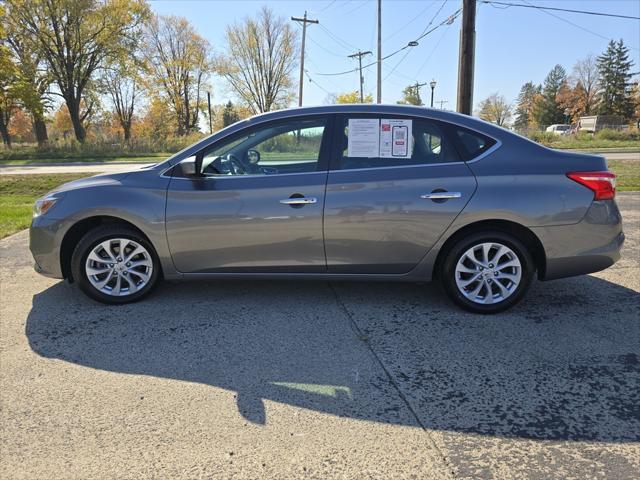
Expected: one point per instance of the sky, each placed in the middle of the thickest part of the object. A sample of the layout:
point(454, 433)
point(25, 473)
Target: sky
point(513, 45)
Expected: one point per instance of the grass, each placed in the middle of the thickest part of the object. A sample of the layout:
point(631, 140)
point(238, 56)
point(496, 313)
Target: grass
point(152, 158)
point(19, 192)
point(604, 139)
point(627, 175)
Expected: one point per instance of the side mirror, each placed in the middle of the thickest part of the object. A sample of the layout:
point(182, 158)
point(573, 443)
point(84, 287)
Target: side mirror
point(198, 164)
point(188, 167)
point(253, 156)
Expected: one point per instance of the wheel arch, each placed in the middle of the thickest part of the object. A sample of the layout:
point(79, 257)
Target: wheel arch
point(80, 229)
point(522, 233)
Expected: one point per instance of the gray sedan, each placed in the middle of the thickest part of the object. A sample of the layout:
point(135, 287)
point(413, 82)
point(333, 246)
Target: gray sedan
point(364, 192)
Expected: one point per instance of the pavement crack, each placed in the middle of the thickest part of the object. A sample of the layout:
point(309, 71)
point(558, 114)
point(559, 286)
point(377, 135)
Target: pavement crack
point(365, 339)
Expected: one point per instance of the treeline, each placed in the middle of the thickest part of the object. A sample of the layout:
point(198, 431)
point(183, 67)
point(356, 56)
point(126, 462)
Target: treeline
point(120, 71)
point(596, 86)
point(599, 85)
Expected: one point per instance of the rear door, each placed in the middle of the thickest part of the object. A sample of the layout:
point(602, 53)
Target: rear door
point(383, 213)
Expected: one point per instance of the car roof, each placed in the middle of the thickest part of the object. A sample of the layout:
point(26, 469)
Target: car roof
point(392, 109)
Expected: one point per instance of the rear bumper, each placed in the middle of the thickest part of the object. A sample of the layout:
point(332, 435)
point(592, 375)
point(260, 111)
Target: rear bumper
point(585, 247)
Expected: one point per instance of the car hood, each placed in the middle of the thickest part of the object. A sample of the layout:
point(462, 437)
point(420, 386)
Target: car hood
point(99, 180)
point(95, 181)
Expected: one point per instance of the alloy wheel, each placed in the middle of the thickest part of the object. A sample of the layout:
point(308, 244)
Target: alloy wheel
point(488, 273)
point(119, 267)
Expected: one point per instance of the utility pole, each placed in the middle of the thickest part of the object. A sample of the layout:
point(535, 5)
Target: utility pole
point(417, 86)
point(379, 51)
point(359, 56)
point(304, 21)
point(209, 107)
point(467, 53)
point(442, 102)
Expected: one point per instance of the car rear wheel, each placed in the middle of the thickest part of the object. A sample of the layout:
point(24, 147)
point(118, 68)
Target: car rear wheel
point(114, 264)
point(487, 272)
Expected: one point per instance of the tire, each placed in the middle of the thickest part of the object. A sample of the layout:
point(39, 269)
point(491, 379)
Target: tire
point(508, 279)
point(138, 274)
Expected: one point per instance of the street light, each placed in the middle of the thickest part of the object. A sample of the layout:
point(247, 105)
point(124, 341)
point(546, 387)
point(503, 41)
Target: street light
point(433, 87)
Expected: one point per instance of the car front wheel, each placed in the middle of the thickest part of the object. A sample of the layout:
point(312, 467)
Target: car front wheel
point(487, 272)
point(114, 264)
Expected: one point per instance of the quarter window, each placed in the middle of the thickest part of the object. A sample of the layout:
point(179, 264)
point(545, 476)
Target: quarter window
point(473, 143)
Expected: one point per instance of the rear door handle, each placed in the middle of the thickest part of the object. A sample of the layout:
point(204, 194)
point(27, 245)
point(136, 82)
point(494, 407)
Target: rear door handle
point(441, 195)
point(299, 201)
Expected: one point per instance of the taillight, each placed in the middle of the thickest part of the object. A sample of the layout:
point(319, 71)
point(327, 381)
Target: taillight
point(602, 184)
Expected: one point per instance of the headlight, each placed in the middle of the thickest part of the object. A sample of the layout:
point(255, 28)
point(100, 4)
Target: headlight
point(43, 205)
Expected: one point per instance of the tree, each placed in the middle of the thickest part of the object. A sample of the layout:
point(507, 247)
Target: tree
point(614, 68)
point(411, 96)
point(524, 108)
point(585, 73)
point(156, 120)
point(120, 81)
point(259, 60)
point(178, 63)
point(34, 80)
point(9, 92)
point(229, 115)
point(353, 97)
point(495, 109)
point(546, 109)
point(75, 37)
point(21, 126)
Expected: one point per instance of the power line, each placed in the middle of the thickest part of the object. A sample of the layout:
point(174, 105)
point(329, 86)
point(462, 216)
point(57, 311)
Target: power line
point(342, 43)
point(435, 47)
point(327, 7)
point(358, 7)
point(434, 17)
point(570, 22)
point(417, 17)
point(448, 21)
point(584, 12)
point(318, 44)
point(311, 80)
point(428, 25)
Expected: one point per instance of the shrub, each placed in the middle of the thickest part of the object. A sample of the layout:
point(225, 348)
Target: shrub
point(545, 138)
point(610, 134)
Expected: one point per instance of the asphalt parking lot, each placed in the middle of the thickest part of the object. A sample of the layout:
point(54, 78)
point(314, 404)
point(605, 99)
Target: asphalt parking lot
point(317, 380)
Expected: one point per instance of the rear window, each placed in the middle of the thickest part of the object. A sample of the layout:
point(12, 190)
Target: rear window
point(473, 144)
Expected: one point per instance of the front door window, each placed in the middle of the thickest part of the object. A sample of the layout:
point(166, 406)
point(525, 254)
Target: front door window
point(291, 146)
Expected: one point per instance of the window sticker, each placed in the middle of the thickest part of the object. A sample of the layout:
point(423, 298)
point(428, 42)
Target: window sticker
point(395, 138)
point(363, 137)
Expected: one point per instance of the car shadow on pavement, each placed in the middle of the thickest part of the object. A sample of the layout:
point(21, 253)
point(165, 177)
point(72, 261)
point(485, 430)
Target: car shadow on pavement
point(564, 365)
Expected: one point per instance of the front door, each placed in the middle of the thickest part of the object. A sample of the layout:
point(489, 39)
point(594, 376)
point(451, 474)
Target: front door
point(258, 206)
point(386, 207)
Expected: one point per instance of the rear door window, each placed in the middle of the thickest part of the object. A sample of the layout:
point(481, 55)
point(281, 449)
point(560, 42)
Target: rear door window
point(416, 141)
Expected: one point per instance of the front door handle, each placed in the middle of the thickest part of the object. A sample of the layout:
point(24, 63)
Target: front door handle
point(441, 195)
point(299, 201)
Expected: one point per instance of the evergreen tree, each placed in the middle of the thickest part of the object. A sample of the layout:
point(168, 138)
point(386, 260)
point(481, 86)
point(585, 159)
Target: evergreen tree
point(524, 108)
point(229, 115)
point(547, 109)
point(614, 67)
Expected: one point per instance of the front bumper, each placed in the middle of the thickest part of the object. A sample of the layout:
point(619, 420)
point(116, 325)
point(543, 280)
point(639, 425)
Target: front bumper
point(585, 247)
point(44, 243)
